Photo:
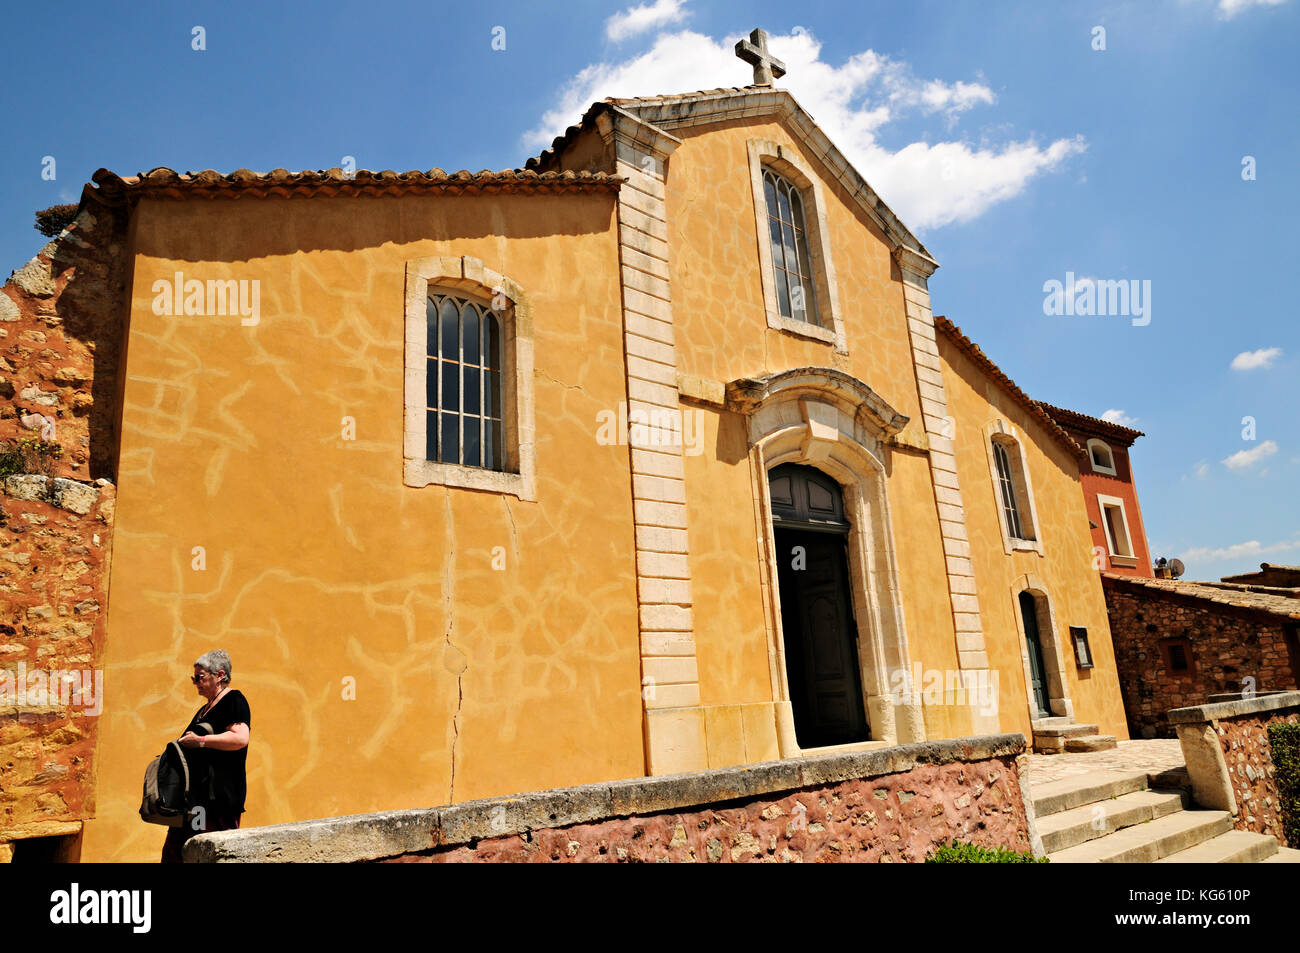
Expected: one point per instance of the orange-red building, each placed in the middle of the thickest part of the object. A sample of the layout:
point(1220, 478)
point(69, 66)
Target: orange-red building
point(1110, 492)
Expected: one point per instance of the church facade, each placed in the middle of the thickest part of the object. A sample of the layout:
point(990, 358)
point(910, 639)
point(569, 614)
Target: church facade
point(650, 457)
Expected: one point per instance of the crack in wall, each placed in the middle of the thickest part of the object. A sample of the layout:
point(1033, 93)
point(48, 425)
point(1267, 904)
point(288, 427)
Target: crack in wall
point(514, 530)
point(555, 380)
point(453, 659)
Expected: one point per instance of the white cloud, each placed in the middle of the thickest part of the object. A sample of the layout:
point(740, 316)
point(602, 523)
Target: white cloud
point(641, 18)
point(1249, 360)
point(927, 184)
point(1245, 458)
point(1119, 417)
point(1230, 8)
point(1200, 470)
point(1239, 550)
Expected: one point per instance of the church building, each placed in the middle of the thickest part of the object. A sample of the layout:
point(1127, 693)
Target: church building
point(649, 457)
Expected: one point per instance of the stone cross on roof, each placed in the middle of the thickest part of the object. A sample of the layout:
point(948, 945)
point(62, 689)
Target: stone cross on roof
point(754, 50)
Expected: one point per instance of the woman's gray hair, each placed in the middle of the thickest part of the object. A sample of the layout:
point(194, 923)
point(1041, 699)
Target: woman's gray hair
point(218, 660)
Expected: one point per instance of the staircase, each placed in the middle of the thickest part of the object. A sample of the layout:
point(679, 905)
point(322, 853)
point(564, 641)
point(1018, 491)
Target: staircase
point(1057, 735)
point(1121, 817)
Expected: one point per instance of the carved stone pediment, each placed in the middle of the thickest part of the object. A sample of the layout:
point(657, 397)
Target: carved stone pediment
point(823, 385)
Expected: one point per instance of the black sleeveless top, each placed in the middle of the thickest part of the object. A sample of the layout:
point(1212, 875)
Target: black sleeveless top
point(222, 784)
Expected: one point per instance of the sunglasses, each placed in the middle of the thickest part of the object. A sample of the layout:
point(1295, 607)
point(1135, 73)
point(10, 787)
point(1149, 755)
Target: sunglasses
point(198, 678)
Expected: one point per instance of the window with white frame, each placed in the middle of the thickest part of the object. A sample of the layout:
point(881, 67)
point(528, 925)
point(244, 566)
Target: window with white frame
point(1115, 522)
point(1101, 456)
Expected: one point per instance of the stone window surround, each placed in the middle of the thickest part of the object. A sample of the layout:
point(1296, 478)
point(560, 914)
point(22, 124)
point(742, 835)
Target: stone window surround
point(467, 276)
point(1058, 695)
point(1110, 453)
point(817, 422)
point(1000, 431)
point(786, 162)
point(1103, 502)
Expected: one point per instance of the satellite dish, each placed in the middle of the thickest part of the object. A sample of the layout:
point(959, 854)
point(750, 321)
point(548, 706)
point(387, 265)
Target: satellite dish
point(1176, 567)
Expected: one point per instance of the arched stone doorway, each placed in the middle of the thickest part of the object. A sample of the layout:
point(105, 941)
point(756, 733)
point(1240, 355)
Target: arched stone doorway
point(823, 418)
point(1041, 651)
point(810, 534)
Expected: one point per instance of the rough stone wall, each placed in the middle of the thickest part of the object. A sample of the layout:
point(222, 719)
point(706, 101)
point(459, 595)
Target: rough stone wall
point(1227, 647)
point(1246, 749)
point(62, 317)
point(894, 818)
point(54, 548)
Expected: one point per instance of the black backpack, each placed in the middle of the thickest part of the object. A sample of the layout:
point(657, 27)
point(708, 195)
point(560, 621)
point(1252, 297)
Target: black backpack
point(170, 784)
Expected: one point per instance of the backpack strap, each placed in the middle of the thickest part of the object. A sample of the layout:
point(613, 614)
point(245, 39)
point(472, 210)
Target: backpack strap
point(185, 766)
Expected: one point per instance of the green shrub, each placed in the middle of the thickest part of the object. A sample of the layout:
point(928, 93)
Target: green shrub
point(50, 221)
point(958, 852)
point(1284, 743)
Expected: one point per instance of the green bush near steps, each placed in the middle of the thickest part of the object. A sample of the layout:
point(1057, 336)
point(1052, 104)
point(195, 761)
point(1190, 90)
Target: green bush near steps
point(957, 852)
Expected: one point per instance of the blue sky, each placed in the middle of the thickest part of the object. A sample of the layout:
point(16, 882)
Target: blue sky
point(1014, 148)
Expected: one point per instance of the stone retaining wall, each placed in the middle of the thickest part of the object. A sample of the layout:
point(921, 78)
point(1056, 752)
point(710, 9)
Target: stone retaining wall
point(883, 806)
point(1228, 757)
point(1228, 646)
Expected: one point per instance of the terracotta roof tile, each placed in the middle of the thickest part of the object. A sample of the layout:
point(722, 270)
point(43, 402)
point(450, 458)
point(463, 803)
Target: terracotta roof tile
point(1072, 418)
point(985, 363)
point(1285, 606)
point(211, 184)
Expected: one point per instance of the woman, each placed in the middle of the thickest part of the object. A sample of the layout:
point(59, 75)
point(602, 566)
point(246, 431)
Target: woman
point(216, 760)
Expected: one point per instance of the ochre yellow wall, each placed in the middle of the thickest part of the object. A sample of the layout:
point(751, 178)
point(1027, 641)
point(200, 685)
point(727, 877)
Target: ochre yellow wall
point(321, 564)
point(730, 634)
point(722, 334)
point(1065, 568)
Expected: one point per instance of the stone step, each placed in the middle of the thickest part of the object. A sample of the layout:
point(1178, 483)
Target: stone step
point(1284, 855)
point(1234, 847)
point(1170, 779)
point(1055, 722)
point(1080, 824)
point(1064, 731)
point(1145, 843)
point(1052, 797)
point(1090, 743)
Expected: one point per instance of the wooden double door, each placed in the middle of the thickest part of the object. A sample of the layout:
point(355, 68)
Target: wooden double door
point(821, 645)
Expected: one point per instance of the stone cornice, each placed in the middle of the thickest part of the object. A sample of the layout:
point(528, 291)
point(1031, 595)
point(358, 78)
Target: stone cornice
point(746, 394)
point(915, 261)
point(618, 125)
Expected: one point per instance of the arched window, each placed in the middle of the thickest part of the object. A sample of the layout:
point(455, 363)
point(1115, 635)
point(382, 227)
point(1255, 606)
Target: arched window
point(791, 262)
point(463, 383)
point(796, 266)
point(1102, 457)
point(468, 391)
point(1006, 485)
point(1011, 486)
